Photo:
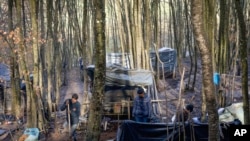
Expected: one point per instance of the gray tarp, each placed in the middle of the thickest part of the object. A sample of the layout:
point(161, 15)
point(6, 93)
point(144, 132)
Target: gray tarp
point(118, 76)
point(167, 56)
point(129, 77)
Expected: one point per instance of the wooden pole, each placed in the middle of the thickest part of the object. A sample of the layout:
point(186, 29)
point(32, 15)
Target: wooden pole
point(68, 117)
point(128, 109)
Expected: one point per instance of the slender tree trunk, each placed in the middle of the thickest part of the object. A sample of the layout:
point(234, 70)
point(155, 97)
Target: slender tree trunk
point(137, 35)
point(94, 122)
point(178, 33)
point(31, 120)
point(223, 37)
point(244, 64)
point(207, 70)
point(15, 82)
point(37, 96)
point(147, 33)
point(49, 51)
point(129, 35)
point(86, 57)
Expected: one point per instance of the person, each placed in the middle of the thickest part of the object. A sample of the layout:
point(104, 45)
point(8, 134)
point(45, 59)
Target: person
point(184, 114)
point(23, 95)
point(73, 113)
point(1, 94)
point(141, 106)
point(81, 63)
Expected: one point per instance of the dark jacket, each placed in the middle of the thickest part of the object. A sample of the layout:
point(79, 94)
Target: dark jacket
point(142, 107)
point(74, 111)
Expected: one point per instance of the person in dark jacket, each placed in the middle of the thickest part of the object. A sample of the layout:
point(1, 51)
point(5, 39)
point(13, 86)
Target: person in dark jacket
point(183, 115)
point(142, 106)
point(1, 93)
point(73, 113)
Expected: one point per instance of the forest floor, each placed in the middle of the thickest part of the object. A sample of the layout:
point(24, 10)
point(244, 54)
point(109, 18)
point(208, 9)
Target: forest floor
point(168, 109)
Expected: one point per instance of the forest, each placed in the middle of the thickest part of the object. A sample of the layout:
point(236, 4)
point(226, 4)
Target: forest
point(41, 41)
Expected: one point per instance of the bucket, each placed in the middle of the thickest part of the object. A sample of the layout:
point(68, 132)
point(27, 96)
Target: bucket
point(117, 108)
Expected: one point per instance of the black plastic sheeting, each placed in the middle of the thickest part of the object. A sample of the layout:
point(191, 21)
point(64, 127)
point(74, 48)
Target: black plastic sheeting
point(134, 131)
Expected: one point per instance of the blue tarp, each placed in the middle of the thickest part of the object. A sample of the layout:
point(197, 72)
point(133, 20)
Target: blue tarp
point(4, 72)
point(33, 134)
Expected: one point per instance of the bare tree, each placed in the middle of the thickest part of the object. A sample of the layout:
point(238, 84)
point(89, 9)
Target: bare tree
point(207, 71)
point(94, 122)
point(31, 119)
point(244, 64)
point(16, 94)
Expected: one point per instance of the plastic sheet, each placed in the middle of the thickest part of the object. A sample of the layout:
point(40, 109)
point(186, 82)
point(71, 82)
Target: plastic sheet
point(33, 134)
point(118, 76)
point(135, 131)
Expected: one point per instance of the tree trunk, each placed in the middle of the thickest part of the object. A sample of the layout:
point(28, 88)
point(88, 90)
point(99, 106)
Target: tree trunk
point(244, 64)
point(37, 96)
point(49, 50)
point(223, 50)
point(86, 57)
point(129, 33)
point(94, 122)
point(15, 83)
point(147, 33)
point(137, 35)
point(207, 69)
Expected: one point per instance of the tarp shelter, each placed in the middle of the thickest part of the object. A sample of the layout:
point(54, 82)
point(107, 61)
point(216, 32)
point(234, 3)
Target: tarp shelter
point(118, 76)
point(5, 87)
point(167, 56)
point(122, 59)
point(120, 87)
point(137, 131)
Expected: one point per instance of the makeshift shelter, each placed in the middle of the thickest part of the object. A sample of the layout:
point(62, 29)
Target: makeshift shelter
point(5, 95)
point(122, 59)
point(167, 56)
point(120, 89)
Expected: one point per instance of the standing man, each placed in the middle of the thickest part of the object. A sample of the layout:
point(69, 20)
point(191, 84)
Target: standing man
point(72, 114)
point(142, 106)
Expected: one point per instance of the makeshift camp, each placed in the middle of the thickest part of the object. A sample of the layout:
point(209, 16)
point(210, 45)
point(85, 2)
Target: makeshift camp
point(120, 88)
